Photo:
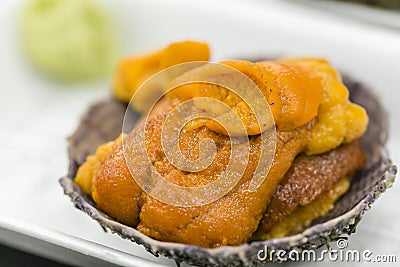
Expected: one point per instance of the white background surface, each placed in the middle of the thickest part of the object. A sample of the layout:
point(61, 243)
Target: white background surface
point(37, 115)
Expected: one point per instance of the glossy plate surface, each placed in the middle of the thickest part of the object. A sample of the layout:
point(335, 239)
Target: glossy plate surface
point(37, 115)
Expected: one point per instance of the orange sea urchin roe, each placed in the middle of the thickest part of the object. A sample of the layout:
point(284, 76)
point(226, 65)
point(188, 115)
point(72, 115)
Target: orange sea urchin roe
point(88, 171)
point(132, 72)
point(296, 94)
point(104, 183)
point(229, 221)
point(297, 91)
point(338, 121)
point(293, 93)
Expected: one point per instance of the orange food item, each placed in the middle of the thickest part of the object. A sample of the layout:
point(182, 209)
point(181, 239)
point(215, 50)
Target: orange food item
point(293, 93)
point(87, 173)
point(115, 192)
point(132, 72)
point(230, 220)
point(296, 94)
point(339, 120)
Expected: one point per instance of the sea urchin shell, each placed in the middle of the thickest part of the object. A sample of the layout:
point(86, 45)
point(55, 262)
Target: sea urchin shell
point(103, 121)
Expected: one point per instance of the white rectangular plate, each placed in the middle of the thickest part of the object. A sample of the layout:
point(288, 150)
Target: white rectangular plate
point(37, 115)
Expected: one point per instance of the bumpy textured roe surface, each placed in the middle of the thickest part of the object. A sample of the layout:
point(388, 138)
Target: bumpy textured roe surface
point(115, 191)
point(339, 120)
point(298, 91)
point(292, 92)
point(230, 220)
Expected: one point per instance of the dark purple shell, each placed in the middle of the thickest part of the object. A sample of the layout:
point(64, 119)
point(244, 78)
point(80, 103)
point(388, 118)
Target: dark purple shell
point(102, 123)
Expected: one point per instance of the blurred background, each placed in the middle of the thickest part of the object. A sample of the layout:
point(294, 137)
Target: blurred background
point(58, 56)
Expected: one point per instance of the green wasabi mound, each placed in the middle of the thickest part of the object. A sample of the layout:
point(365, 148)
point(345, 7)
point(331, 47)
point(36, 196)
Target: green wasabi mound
point(70, 40)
